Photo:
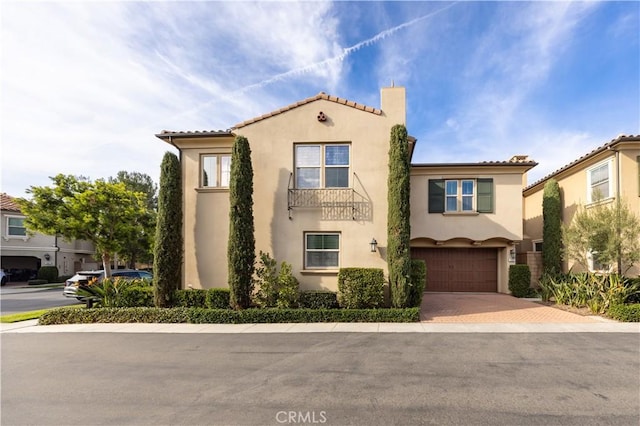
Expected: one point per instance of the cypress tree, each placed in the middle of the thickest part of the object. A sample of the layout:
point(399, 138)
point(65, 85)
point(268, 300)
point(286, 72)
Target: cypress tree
point(241, 248)
point(167, 253)
point(551, 228)
point(398, 217)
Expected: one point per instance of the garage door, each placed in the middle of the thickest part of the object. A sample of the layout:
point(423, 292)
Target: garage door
point(460, 269)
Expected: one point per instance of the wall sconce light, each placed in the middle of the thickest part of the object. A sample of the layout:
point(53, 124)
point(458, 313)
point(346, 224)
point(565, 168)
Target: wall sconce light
point(373, 245)
point(47, 256)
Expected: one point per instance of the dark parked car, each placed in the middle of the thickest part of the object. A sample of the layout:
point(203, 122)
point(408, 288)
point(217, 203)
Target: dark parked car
point(83, 277)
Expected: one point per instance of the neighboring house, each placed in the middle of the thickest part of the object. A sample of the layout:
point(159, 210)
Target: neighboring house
point(23, 254)
point(612, 170)
point(320, 197)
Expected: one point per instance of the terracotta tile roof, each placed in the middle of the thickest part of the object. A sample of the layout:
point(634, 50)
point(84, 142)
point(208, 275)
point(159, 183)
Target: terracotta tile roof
point(167, 133)
point(519, 160)
point(7, 203)
point(317, 97)
point(606, 146)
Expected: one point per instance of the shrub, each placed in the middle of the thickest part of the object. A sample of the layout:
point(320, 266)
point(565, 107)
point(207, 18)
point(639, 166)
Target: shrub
point(552, 228)
point(417, 281)
point(110, 292)
point(634, 296)
point(267, 280)
point(167, 254)
point(49, 273)
point(218, 298)
point(37, 282)
point(519, 280)
point(318, 300)
point(288, 287)
point(360, 288)
point(241, 252)
point(137, 295)
point(63, 278)
point(69, 315)
point(192, 298)
point(398, 216)
point(626, 313)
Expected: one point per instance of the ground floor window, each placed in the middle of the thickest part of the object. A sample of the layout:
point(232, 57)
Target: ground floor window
point(321, 250)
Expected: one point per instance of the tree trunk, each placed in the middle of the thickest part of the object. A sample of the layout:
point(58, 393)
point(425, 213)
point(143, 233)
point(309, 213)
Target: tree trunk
point(106, 264)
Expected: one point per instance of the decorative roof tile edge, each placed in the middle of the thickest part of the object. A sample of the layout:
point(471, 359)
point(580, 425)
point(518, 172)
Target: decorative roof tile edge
point(167, 133)
point(317, 97)
point(592, 153)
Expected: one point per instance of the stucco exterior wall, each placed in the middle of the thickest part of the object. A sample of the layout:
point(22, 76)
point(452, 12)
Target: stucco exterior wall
point(279, 231)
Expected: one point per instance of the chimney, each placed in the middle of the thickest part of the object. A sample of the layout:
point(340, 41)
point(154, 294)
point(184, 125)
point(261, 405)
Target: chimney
point(393, 104)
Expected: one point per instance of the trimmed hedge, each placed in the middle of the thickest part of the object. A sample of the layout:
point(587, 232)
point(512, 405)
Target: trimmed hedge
point(360, 288)
point(213, 298)
point(137, 296)
point(519, 280)
point(318, 300)
point(69, 315)
point(626, 313)
point(49, 273)
point(417, 282)
point(37, 282)
point(218, 298)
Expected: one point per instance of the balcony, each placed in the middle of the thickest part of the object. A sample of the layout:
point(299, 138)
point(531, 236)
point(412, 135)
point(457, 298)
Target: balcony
point(335, 203)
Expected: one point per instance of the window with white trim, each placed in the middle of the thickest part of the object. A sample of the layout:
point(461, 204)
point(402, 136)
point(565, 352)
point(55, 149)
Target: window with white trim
point(460, 195)
point(215, 170)
point(322, 165)
point(15, 226)
point(321, 250)
point(599, 182)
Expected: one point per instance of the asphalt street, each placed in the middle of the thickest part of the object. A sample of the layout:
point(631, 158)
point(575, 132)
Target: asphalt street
point(17, 299)
point(320, 378)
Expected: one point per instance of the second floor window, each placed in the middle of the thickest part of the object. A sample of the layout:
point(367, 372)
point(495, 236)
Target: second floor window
point(461, 195)
point(215, 170)
point(15, 227)
point(322, 166)
point(599, 182)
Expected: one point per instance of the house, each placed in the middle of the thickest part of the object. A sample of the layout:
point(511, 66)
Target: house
point(612, 170)
point(320, 197)
point(22, 254)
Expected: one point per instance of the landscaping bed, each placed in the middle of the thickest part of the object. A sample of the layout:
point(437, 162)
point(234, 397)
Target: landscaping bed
point(224, 316)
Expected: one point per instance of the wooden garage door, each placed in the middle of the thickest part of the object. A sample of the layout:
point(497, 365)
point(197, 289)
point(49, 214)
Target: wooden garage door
point(460, 269)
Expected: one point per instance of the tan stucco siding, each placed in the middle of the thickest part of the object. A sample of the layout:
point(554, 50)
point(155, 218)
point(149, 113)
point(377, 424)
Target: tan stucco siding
point(272, 144)
point(206, 219)
point(505, 222)
point(279, 231)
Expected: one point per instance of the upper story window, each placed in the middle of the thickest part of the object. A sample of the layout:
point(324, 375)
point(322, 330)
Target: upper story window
point(15, 226)
point(460, 195)
point(322, 165)
point(215, 170)
point(599, 182)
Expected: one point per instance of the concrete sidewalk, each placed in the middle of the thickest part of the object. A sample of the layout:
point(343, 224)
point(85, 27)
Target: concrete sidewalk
point(422, 327)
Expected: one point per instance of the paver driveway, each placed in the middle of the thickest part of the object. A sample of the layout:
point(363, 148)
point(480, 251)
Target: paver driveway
point(492, 308)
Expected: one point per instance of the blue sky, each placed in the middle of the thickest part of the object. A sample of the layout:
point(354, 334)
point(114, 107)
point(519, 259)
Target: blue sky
point(86, 85)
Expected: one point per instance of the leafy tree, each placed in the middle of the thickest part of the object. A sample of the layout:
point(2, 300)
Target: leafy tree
point(104, 213)
point(241, 248)
point(608, 231)
point(139, 182)
point(139, 247)
point(551, 228)
point(398, 217)
point(167, 262)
